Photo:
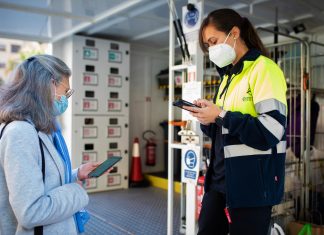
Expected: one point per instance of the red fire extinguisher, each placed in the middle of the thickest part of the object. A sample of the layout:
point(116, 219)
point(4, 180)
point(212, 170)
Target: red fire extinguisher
point(150, 148)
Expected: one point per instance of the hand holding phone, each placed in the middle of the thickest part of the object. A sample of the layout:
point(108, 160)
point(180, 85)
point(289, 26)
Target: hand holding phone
point(180, 103)
point(103, 167)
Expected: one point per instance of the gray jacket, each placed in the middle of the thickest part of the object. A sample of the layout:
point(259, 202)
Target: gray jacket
point(25, 201)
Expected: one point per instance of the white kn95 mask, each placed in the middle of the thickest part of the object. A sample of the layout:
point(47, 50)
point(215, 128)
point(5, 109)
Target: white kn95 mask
point(222, 54)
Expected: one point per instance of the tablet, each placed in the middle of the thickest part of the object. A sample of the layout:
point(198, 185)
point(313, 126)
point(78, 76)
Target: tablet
point(103, 167)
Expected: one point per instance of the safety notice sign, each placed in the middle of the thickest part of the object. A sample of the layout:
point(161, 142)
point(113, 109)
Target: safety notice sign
point(190, 164)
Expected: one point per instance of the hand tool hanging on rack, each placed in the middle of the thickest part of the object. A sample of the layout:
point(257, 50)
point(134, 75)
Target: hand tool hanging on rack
point(179, 31)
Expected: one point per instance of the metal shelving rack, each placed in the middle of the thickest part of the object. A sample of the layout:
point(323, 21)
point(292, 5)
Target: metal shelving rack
point(296, 64)
point(188, 191)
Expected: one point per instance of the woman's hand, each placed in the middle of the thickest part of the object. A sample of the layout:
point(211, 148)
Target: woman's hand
point(86, 168)
point(207, 112)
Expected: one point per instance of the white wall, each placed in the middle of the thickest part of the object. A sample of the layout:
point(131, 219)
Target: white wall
point(147, 107)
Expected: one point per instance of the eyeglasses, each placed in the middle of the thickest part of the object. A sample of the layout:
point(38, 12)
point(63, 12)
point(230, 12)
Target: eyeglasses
point(70, 91)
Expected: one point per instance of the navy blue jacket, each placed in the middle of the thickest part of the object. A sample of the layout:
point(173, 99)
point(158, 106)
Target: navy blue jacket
point(254, 143)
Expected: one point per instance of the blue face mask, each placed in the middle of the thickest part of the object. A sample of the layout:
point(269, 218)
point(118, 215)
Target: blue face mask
point(60, 105)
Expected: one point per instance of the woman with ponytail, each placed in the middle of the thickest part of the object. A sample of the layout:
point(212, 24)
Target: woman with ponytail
point(247, 125)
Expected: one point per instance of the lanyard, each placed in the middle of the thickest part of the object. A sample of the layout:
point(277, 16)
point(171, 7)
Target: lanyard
point(225, 89)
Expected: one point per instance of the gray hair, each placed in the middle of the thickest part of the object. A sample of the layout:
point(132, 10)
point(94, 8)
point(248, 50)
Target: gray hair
point(29, 96)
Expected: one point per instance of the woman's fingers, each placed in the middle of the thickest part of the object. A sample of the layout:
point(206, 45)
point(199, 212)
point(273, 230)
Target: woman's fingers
point(197, 102)
point(191, 109)
point(206, 114)
point(202, 102)
point(205, 103)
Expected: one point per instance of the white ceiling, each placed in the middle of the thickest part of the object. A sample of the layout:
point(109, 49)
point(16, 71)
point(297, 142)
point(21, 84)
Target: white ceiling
point(143, 22)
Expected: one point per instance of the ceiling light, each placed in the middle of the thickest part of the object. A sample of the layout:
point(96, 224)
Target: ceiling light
point(303, 17)
point(283, 21)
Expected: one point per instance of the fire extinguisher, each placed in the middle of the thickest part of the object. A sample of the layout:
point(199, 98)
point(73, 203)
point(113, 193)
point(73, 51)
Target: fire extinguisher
point(150, 148)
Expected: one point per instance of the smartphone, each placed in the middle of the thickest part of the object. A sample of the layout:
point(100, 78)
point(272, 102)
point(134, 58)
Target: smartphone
point(103, 167)
point(180, 103)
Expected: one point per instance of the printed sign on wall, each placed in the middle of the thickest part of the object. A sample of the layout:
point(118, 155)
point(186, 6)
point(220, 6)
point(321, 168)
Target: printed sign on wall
point(191, 91)
point(192, 73)
point(90, 79)
point(114, 81)
point(114, 105)
point(90, 105)
point(114, 131)
point(89, 157)
point(190, 164)
point(191, 19)
point(116, 153)
point(90, 53)
point(113, 180)
point(115, 56)
point(89, 132)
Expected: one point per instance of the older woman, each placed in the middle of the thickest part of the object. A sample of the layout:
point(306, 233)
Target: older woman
point(39, 191)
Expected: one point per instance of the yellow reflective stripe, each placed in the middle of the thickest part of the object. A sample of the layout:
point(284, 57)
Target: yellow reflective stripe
point(272, 125)
point(270, 105)
point(241, 150)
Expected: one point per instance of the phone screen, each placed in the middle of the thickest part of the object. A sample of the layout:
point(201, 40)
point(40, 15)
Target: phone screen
point(180, 103)
point(103, 167)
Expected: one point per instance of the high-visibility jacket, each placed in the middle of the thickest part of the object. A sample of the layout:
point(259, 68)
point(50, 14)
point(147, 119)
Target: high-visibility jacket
point(253, 131)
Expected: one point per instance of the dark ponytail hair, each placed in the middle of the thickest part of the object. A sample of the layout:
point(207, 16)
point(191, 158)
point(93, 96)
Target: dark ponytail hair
point(224, 20)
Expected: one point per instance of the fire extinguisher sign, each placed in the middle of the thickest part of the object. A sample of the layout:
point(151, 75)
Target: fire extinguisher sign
point(190, 164)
